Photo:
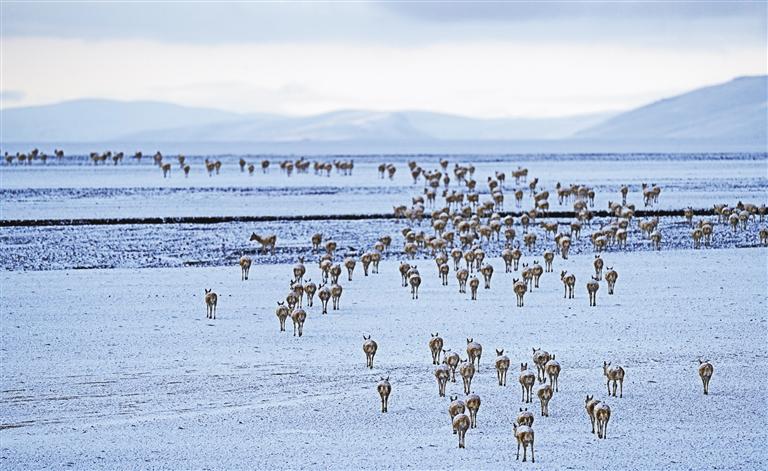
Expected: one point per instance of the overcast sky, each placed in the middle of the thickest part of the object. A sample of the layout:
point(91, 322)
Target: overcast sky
point(478, 59)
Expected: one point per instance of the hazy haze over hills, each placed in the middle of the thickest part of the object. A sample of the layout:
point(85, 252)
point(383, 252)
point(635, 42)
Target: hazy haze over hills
point(733, 112)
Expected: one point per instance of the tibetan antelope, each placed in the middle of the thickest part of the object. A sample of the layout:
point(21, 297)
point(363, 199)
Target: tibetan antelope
point(474, 283)
point(527, 380)
point(451, 359)
point(473, 405)
point(615, 374)
point(569, 282)
point(211, 299)
point(324, 294)
point(524, 436)
point(545, 394)
point(384, 389)
point(435, 346)
point(282, 312)
point(461, 424)
point(598, 263)
point(589, 404)
point(540, 358)
point(502, 365)
point(245, 267)
point(602, 413)
point(336, 291)
point(442, 374)
point(610, 277)
point(309, 290)
point(705, 372)
point(455, 408)
point(298, 316)
point(552, 368)
point(592, 287)
point(369, 347)
point(474, 351)
point(519, 287)
point(467, 372)
point(267, 242)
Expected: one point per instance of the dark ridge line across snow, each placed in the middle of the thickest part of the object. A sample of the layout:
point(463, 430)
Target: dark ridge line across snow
point(329, 217)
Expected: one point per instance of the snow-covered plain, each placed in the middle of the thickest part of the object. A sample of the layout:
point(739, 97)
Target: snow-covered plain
point(114, 365)
point(120, 369)
point(75, 189)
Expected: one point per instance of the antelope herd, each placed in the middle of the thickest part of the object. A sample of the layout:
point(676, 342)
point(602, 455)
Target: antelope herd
point(465, 234)
point(467, 230)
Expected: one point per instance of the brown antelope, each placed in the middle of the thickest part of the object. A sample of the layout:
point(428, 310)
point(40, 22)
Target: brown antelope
point(166, 170)
point(349, 264)
point(569, 282)
point(565, 246)
point(552, 368)
point(549, 256)
point(324, 294)
point(545, 394)
point(589, 405)
point(705, 372)
point(610, 277)
point(336, 291)
point(602, 414)
point(335, 272)
point(404, 269)
point(443, 270)
point(473, 405)
point(527, 380)
point(592, 287)
point(474, 351)
point(298, 316)
point(524, 436)
point(452, 359)
point(435, 346)
point(487, 271)
point(211, 299)
point(298, 289)
point(316, 239)
point(519, 287)
point(656, 239)
point(506, 255)
point(267, 242)
point(455, 408)
point(309, 290)
point(282, 312)
point(540, 358)
point(615, 374)
point(299, 270)
point(292, 299)
point(536, 272)
point(369, 347)
point(245, 267)
point(474, 283)
point(186, 169)
point(462, 275)
point(598, 263)
point(524, 417)
point(461, 424)
point(415, 281)
point(385, 389)
point(502, 365)
point(467, 372)
point(442, 374)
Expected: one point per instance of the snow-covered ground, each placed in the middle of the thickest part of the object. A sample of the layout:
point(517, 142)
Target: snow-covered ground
point(120, 368)
point(79, 190)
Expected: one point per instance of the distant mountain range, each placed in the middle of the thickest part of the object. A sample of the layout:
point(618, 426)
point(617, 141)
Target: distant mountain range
point(735, 111)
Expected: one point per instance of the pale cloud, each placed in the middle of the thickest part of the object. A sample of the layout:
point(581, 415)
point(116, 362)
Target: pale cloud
point(480, 78)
